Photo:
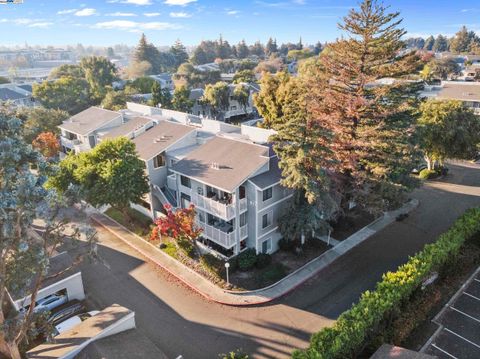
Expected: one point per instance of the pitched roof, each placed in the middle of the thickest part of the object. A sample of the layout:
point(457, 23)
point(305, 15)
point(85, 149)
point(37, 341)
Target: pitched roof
point(269, 178)
point(7, 94)
point(89, 120)
point(128, 127)
point(462, 92)
point(159, 138)
point(223, 163)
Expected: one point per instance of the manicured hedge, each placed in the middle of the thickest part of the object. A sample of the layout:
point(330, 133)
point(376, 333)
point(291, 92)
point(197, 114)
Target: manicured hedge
point(355, 327)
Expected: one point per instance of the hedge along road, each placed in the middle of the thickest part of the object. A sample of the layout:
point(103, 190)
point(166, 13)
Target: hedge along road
point(181, 322)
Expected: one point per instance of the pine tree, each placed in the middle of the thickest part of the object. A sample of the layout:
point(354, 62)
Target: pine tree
point(179, 53)
point(156, 94)
point(460, 43)
point(242, 50)
point(370, 150)
point(441, 44)
point(429, 42)
point(147, 52)
point(271, 47)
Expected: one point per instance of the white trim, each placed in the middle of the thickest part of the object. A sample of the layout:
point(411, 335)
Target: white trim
point(96, 128)
point(269, 250)
point(465, 314)
point(260, 188)
point(274, 203)
point(266, 234)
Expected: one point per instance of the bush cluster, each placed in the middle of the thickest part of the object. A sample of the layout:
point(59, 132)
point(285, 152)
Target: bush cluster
point(375, 310)
point(247, 259)
point(427, 174)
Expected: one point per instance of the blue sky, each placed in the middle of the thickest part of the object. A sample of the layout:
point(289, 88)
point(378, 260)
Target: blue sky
point(106, 22)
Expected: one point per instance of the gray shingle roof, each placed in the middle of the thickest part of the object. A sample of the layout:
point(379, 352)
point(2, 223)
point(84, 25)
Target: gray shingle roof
point(269, 178)
point(7, 94)
point(460, 92)
point(159, 138)
point(128, 127)
point(89, 120)
point(236, 162)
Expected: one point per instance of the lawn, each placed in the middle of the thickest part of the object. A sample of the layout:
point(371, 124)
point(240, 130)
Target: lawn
point(138, 222)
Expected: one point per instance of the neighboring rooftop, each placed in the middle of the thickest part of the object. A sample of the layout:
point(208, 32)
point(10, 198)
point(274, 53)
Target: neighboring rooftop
point(467, 91)
point(130, 344)
point(82, 334)
point(89, 120)
point(60, 267)
point(223, 163)
point(159, 138)
point(128, 127)
point(269, 178)
point(7, 94)
point(26, 87)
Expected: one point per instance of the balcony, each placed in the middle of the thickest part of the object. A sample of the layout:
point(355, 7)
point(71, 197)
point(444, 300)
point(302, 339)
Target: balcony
point(218, 209)
point(69, 143)
point(222, 236)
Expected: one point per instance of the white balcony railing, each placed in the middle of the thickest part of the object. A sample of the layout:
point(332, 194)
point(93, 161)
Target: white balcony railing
point(218, 209)
point(69, 143)
point(243, 205)
point(243, 232)
point(226, 240)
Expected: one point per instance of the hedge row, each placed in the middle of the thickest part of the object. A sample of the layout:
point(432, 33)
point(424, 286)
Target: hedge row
point(366, 319)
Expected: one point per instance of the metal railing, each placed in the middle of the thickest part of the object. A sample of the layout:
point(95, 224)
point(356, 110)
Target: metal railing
point(226, 240)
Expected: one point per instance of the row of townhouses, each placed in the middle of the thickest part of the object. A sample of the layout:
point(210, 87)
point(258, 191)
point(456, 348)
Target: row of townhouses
point(229, 173)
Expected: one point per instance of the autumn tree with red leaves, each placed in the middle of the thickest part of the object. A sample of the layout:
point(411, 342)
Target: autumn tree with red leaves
point(47, 144)
point(178, 224)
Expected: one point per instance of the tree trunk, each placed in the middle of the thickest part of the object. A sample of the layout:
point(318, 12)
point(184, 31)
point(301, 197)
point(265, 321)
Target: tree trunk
point(7, 348)
point(430, 163)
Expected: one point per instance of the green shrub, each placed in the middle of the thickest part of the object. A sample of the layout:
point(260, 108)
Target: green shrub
point(356, 327)
point(213, 264)
point(187, 247)
point(237, 354)
point(247, 259)
point(171, 249)
point(273, 274)
point(263, 260)
point(427, 174)
point(286, 245)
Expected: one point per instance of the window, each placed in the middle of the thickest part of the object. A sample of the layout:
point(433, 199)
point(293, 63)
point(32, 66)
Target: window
point(185, 200)
point(158, 161)
point(243, 219)
point(233, 108)
point(267, 194)
point(185, 181)
point(267, 246)
point(266, 220)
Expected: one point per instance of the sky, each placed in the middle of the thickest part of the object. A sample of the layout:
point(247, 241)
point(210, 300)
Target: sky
point(108, 22)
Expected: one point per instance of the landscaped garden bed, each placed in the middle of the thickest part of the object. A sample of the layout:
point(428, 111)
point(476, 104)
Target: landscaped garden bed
point(138, 223)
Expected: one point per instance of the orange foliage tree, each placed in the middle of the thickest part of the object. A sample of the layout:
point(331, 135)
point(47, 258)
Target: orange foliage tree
point(47, 144)
point(177, 224)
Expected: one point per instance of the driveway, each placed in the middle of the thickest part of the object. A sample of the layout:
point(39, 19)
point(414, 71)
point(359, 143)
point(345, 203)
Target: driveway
point(181, 322)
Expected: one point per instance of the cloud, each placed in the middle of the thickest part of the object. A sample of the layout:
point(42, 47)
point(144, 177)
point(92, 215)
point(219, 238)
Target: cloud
point(86, 12)
point(180, 14)
point(135, 26)
point(122, 14)
point(42, 25)
point(137, 2)
point(179, 2)
point(233, 12)
point(67, 11)
point(300, 2)
point(151, 14)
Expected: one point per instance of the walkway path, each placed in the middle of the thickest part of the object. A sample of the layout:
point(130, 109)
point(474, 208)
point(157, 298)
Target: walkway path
point(214, 293)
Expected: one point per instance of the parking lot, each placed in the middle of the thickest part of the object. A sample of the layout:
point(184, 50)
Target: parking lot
point(458, 335)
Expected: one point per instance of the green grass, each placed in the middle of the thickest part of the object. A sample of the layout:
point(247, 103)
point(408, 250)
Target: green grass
point(171, 249)
point(139, 223)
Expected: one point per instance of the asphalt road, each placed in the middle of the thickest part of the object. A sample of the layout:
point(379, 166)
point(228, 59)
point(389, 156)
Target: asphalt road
point(181, 322)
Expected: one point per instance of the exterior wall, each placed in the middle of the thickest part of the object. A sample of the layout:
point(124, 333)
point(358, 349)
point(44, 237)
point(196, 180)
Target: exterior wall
point(73, 285)
point(257, 134)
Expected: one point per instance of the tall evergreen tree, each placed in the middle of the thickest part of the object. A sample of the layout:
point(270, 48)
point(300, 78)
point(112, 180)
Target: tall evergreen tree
point(179, 53)
point(147, 52)
point(370, 150)
point(99, 73)
point(460, 43)
point(441, 44)
point(242, 50)
point(271, 47)
point(429, 42)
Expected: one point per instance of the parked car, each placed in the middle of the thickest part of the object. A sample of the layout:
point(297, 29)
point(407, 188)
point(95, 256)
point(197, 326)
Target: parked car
point(66, 311)
point(48, 303)
point(73, 321)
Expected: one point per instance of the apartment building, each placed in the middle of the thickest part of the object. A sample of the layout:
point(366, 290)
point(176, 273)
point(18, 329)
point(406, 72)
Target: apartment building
point(82, 132)
point(228, 172)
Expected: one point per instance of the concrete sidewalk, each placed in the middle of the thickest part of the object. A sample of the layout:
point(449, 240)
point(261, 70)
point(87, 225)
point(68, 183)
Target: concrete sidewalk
point(236, 298)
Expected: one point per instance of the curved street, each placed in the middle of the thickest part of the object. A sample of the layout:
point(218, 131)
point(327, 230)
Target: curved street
point(181, 322)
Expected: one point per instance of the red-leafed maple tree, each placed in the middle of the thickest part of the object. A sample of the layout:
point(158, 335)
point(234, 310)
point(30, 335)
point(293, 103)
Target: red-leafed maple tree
point(177, 224)
point(47, 144)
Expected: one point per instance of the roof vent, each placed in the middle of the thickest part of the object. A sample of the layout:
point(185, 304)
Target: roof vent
point(215, 165)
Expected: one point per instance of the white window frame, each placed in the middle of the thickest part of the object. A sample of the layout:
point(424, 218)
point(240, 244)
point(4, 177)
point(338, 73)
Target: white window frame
point(269, 219)
point(269, 245)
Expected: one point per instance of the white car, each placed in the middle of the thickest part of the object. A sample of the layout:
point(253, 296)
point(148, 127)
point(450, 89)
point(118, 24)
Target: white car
point(48, 303)
point(73, 321)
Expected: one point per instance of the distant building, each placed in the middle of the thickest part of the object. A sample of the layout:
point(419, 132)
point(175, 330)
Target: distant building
point(467, 92)
point(17, 95)
point(165, 80)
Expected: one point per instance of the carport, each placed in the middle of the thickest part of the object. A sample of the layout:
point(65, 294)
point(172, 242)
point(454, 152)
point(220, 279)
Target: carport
point(62, 277)
point(458, 335)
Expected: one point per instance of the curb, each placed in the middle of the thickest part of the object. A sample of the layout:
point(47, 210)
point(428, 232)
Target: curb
point(410, 206)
